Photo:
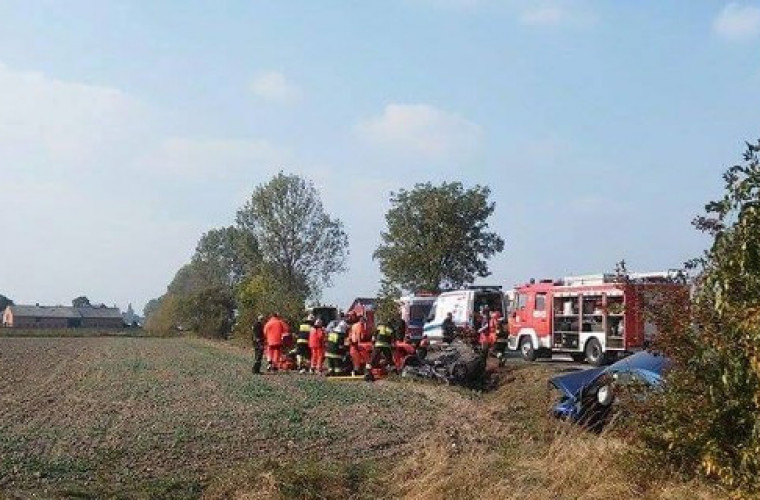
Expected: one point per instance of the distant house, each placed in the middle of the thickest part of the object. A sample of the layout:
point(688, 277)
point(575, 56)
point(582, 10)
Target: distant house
point(21, 316)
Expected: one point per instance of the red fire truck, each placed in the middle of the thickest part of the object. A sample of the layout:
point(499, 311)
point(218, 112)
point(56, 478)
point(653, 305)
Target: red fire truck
point(595, 317)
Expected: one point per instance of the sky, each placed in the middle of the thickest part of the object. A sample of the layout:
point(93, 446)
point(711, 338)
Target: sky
point(129, 128)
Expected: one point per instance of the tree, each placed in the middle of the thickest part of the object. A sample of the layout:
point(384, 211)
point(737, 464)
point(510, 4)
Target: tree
point(4, 302)
point(300, 243)
point(708, 418)
point(151, 307)
point(437, 237)
point(229, 254)
point(81, 301)
point(264, 294)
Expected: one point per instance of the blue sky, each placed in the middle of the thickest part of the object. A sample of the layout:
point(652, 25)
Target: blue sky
point(128, 128)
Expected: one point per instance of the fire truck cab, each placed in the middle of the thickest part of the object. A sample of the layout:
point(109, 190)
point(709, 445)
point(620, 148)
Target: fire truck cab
point(595, 317)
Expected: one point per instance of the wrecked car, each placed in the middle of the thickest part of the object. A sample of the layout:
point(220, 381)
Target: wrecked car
point(588, 396)
point(456, 363)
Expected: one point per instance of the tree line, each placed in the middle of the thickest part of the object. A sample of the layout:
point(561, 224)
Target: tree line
point(284, 249)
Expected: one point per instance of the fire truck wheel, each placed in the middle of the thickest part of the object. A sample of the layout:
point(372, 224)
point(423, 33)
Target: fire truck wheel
point(594, 353)
point(526, 348)
point(578, 357)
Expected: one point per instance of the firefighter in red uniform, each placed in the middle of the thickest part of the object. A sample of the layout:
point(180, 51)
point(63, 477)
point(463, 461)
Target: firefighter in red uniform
point(488, 331)
point(317, 346)
point(357, 334)
point(273, 332)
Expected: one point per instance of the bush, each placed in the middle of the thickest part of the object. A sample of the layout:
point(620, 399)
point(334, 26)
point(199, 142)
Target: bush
point(707, 420)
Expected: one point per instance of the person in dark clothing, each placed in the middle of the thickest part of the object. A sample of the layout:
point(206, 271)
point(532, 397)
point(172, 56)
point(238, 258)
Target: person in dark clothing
point(257, 336)
point(398, 325)
point(449, 328)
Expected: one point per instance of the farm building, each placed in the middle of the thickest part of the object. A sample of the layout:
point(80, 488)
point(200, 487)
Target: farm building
point(20, 316)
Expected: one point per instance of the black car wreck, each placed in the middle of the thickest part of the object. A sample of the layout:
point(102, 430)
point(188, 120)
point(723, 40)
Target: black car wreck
point(457, 363)
point(588, 396)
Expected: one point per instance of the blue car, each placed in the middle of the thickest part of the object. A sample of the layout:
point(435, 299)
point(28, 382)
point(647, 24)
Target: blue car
point(588, 395)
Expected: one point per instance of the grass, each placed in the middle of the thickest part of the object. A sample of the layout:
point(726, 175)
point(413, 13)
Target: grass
point(184, 418)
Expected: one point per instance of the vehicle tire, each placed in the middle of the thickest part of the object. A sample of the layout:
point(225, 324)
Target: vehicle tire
point(526, 348)
point(578, 357)
point(594, 353)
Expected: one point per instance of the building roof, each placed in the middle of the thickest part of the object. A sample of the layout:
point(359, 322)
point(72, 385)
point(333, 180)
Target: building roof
point(100, 312)
point(20, 311)
point(65, 312)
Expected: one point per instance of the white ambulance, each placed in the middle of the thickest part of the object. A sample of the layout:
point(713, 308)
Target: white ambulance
point(463, 305)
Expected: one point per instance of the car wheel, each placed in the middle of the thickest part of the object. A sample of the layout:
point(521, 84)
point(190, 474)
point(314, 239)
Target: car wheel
point(594, 353)
point(526, 348)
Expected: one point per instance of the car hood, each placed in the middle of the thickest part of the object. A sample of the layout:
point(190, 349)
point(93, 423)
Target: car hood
point(645, 364)
point(571, 383)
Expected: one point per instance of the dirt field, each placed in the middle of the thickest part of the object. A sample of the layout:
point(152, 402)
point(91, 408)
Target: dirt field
point(141, 416)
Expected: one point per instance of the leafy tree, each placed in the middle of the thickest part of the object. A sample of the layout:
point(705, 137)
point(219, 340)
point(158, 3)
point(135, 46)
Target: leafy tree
point(161, 318)
point(263, 293)
point(300, 243)
point(437, 237)
point(387, 302)
point(229, 254)
point(151, 307)
point(708, 418)
point(4, 302)
point(81, 301)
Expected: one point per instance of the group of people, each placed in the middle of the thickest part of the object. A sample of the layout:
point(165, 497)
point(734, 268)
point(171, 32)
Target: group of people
point(319, 348)
point(316, 345)
point(490, 327)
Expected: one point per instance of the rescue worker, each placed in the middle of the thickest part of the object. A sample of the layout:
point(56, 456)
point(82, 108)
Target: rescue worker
point(500, 344)
point(257, 337)
point(488, 332)
point(356, 335)
point(335, 349)
point(302, 344)
point(317, 346)
point(382, 349)
point(274, 330)
point(449, 328)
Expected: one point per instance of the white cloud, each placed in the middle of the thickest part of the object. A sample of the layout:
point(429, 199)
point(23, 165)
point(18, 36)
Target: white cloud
point(273, 86)
point(738, 22)
point(48, 121)
point(543, 16)
point(423, 130)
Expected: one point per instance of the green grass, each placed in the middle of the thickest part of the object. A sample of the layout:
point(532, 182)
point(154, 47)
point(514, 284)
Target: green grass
point(161, 418)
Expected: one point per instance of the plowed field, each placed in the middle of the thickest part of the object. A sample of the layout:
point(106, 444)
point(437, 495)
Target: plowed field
point(161, 417)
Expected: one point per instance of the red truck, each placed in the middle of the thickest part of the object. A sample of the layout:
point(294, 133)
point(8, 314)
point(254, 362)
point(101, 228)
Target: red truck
point(597, 317)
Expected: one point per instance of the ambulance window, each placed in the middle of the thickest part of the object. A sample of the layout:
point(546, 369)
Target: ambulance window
point(540, 302)
point(522, 301)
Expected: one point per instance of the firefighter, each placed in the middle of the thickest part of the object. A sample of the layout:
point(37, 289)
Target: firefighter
point(257, 337)
point(335, 349)
point(317, 346)
point(382, 349)
point(356, 335)
point(302, 344)
point(500, 344)
point(274, 330)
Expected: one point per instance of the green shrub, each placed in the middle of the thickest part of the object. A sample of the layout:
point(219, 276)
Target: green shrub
point(707, 420)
